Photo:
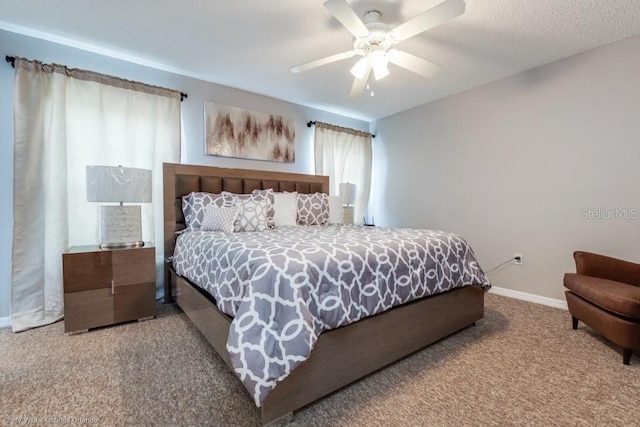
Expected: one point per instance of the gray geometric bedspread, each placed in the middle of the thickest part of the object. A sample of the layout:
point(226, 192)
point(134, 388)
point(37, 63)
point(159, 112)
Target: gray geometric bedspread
point(283, 287)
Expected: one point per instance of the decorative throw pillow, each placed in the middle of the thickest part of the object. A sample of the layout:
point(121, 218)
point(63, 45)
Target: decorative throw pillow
point(252, 215)
point(268, 193)
point(231, 198)
point(219, 219)
point(285, 207)
point(194, 204)
point(335, 210)
point(313, 209)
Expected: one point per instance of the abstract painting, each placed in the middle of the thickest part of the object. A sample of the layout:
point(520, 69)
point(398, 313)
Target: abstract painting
point(235, 132)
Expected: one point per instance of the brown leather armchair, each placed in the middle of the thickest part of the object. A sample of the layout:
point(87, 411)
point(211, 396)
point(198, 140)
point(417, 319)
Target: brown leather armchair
point(604, 293)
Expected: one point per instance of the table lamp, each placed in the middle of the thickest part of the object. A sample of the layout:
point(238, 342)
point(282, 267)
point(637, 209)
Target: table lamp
point(120, 225)
point(348, 194)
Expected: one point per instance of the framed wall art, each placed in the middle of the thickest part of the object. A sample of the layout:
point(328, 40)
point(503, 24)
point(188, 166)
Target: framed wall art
point(235, 132)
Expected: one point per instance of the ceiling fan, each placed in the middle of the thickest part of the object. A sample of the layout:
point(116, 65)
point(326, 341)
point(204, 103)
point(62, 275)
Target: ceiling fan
point(373, 41)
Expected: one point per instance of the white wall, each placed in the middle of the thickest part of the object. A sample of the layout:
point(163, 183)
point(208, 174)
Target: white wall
point(512, 165)
point(192, 113)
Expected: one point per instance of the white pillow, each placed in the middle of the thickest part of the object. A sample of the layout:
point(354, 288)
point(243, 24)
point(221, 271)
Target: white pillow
point(219, 219)
point(335, 210)
point(285, 206)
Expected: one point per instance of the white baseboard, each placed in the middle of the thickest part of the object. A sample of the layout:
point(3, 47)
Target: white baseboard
point(551, 302)
point(5, 322)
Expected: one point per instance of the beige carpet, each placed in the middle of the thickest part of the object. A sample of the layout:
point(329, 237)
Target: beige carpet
point(521, 365)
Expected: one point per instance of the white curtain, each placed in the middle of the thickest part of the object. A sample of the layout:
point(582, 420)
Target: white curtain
point(345, 156)
point(65, 120)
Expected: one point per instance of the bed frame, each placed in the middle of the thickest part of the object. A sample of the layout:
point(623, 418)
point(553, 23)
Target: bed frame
point(340, 356)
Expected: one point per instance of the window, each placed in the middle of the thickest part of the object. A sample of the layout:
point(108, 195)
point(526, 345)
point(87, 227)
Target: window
point(345, 156)
point(65, 120)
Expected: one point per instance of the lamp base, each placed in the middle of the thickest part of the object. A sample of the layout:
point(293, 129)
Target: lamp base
point(120, 227)
point(347, 215)
point(120, 245)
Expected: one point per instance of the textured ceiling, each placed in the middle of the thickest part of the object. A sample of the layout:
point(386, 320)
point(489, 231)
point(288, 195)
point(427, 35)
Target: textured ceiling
point(250, 44)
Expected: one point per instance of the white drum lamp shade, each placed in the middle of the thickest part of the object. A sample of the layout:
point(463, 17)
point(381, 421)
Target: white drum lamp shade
point(120, 226)
point(348, 193)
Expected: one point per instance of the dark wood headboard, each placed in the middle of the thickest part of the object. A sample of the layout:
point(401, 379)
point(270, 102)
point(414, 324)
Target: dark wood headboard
point(180, 180)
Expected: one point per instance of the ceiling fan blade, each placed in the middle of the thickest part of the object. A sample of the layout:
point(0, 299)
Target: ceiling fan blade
point(360, 84)
point(431, 18)
point(341, 10)
point(322, 61)
point(413, 63)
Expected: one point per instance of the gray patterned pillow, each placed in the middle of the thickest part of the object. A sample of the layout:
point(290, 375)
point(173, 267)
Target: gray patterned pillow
point(271, 213)
point(194, 204)
point(230, 199)
point(219, 219)
point(252, 215)
point(313, 209)
point(252, 219)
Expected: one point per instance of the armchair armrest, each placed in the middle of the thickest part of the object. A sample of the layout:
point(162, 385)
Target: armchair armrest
point(604, 267)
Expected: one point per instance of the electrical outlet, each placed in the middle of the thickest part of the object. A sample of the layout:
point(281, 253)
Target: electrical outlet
point(517, 259)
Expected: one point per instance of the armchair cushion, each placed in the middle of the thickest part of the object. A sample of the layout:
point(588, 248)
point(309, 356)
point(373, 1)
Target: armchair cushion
point(595, 265)
point(620, 298)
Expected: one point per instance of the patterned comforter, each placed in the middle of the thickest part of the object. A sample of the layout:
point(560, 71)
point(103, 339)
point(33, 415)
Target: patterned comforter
point(283, 287)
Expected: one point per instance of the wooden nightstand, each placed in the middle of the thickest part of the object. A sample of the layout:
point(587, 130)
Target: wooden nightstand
point(107, 286)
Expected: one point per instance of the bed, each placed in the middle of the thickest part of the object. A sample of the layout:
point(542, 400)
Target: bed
point(339, 356)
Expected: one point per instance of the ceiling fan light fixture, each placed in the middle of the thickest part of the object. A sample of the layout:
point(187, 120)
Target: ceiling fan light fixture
point(379, 64)
point(373, 41)
point(360, 68)
point(380, 72)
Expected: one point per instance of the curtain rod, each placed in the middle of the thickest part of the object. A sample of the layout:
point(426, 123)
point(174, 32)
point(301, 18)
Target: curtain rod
point(12, 61)
point(312, 123)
